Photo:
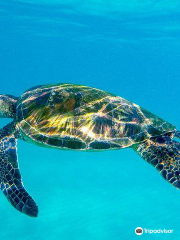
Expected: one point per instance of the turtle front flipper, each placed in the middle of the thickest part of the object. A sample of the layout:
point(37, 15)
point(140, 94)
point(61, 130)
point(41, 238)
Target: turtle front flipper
point(10, 177)
point(164, 154)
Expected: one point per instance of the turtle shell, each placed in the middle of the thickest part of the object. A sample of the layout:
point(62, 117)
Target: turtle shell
point(79, 117)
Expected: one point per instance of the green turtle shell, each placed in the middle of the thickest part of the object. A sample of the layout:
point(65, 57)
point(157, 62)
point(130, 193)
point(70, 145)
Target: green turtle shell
point(80, 117)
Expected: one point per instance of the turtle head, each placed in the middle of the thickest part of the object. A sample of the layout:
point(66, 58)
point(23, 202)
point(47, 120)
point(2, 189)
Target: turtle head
point(7, 106)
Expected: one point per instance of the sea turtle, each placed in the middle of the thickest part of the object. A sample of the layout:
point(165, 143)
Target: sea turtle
point(68, 116)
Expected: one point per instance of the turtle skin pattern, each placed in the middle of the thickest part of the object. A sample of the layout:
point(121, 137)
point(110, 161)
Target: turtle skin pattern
point(163, 153)
point(10, 178)
point(78, 117)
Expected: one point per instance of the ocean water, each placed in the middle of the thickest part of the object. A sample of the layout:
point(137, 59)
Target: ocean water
point(130, 48)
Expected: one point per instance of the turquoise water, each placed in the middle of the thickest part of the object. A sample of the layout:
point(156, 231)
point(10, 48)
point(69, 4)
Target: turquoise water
point(130, 48)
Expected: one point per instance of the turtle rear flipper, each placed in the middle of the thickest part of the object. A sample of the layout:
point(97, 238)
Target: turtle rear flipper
point(10, 178)
point(164, 154)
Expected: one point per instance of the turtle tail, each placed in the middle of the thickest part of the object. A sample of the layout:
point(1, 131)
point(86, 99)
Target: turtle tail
point(164, 154)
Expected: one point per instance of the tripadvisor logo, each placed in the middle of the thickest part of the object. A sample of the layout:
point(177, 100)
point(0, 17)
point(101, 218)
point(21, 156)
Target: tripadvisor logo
point(139, 231)
point(157, 231)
